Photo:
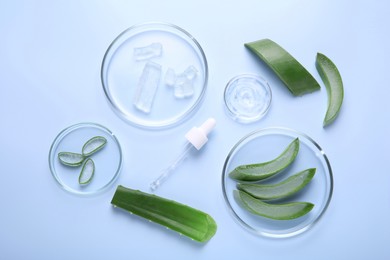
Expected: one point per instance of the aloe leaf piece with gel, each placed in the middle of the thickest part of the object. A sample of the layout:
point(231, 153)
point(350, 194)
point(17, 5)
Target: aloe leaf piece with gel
point(260, 171)
point(297, 79)
point(93, 145)
point(181, 218)
point(279, 190)
point(87, 171)
point(286, 211)
point(334, 87)
point(71, 159)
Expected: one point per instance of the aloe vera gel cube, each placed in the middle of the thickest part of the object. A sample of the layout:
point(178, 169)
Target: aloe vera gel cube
point(147, 52)
point(147, 87)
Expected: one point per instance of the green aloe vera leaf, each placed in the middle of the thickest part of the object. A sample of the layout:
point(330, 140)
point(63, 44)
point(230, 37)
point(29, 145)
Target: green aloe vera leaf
point(331, 77)
point(283, 189)
point(297, 79)
point(285, 211)
point(87, 172)
point(260, 171)
point(181, 218)
point(93, 145)
point(71, 159)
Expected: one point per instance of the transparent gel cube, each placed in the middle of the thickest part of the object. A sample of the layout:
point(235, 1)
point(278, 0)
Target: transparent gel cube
point(147, 52)
point(184, 83)
point(147, 87)
point(184, 87)
point(170, 77)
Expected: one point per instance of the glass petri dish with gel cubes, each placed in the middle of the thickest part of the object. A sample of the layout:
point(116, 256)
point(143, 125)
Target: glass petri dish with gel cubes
point(154, 75)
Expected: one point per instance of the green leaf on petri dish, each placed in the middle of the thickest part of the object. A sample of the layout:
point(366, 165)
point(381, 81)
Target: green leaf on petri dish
point(286, 211)
point(93, 145)
point(279, 190)
point(260, 171)
point(71, 159)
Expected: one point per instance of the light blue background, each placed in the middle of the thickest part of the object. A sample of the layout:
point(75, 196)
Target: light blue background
point(50, 58)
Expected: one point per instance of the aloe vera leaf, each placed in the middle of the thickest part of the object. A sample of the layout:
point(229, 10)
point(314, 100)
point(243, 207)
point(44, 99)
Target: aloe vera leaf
point(285, 211)
point(283, 189)
point(93, 145)
point(71, 159)
point(87, 171)
point(297, 79)
point(260, 171)
point(331, 77)
point(181, 218)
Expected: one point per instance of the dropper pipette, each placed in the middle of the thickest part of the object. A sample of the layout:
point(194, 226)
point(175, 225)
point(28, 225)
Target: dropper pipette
point(196, 138)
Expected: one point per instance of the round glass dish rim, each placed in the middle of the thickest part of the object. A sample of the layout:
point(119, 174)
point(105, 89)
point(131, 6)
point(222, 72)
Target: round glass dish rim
point(248, 75)
point(170, 123)
point(55, 142)
point(267, 234)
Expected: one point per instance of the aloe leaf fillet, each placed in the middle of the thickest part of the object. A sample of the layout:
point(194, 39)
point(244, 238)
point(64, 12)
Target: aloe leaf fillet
point(297, 79)
point(283, 189)
point(285, 211)
point(87, 172)
point(260, 171)
point(93, 145)
point(71, 159)
point(331, 77)
point(181, 218)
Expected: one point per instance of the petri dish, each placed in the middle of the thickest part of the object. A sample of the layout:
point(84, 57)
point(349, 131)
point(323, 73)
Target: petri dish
point(247, 98)
point(108, 160)
point(264, 145)
point(121, 74)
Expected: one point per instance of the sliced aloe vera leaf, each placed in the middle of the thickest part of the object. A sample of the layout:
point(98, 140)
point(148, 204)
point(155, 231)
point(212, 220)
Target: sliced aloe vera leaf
point(87, 172)
point(181, 218)
point(260, 171)
point(331, 77)
point(71, 159)
point(93, 145)
point(285, 211)
point(283, 189)
point(297, 79)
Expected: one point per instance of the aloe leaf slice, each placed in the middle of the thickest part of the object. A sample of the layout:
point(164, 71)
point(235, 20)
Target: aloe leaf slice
point(179, 217)
point(93, 145)
point(260, 171)
point(283, 189)
point(87, 172)
point(331, 77)
point(71, 159)
point(285, 211)
point(297, 79)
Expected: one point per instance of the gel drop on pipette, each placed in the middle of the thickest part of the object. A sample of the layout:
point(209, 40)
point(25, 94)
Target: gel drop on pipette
point(196, 138)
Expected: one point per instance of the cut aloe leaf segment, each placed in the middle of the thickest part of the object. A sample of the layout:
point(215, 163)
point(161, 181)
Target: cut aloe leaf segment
point(283, 189)
point(87, 172)
point(181, 218)
point(285, 211)
point(331, 77)
point(71, 159)
point(260, 171)
point(297, 79)
point(93, 145)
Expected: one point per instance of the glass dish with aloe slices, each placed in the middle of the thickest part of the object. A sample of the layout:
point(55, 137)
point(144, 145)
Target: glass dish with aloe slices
point(277, 182)
point(85, 158)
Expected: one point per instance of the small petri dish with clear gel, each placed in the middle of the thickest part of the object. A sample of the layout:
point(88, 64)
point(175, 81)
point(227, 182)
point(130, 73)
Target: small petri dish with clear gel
point(247, 98)
point(154, 75)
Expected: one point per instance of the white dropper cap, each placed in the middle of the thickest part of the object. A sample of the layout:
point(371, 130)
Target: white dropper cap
point(197, 136)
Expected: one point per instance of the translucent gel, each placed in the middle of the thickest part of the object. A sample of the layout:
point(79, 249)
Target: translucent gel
point(247, 98)
point(147, 87)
